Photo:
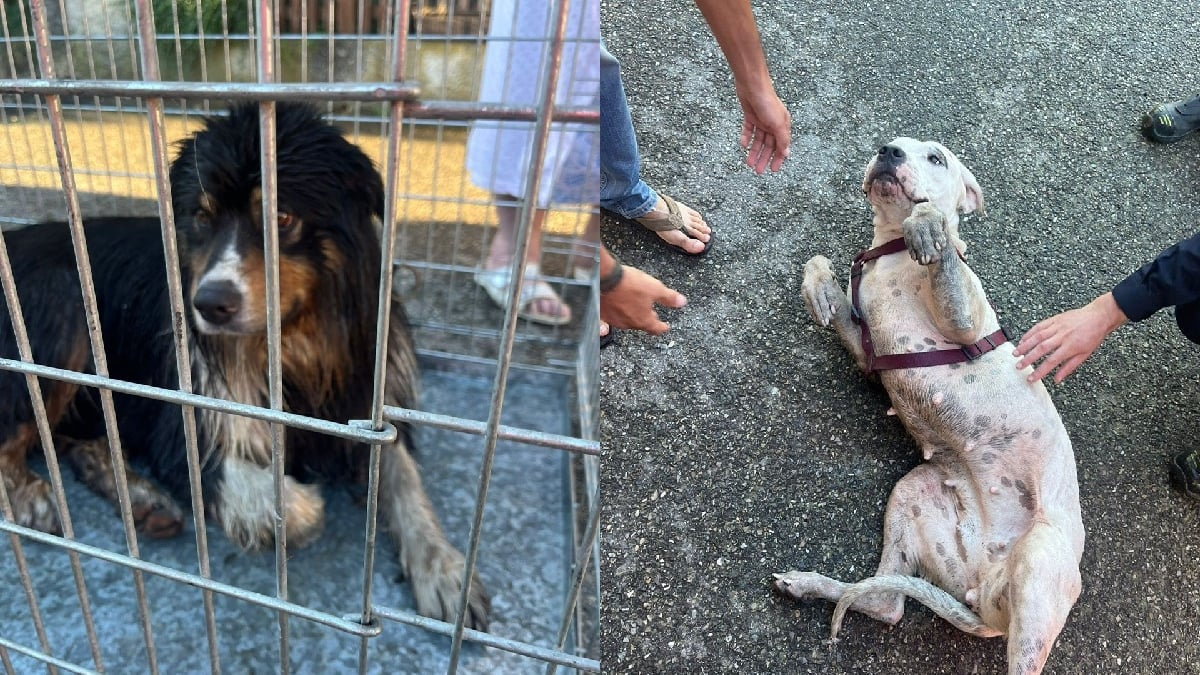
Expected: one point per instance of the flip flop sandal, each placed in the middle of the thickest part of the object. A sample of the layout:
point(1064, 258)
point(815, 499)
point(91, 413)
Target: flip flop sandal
point(673, 221)
point(496, 284)
point(1171, 122)
point(1185, 468)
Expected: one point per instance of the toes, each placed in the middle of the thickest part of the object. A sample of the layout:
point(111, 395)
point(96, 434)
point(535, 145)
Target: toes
point(677, 238)
point(158, 521)
point(551, 307)
point(437, 590)
point(33, 507)
point(695, 222)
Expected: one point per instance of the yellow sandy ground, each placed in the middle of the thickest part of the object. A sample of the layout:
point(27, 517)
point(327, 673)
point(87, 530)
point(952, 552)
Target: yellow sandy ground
point(111, 155)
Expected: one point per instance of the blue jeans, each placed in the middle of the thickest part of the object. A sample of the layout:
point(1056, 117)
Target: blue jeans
point(622, 189)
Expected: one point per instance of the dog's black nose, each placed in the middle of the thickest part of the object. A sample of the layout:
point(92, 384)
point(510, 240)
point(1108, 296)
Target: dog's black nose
point(217, 301)
point(890, 155)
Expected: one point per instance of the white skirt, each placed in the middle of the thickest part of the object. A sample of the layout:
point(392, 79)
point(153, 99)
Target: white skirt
point(499, 153)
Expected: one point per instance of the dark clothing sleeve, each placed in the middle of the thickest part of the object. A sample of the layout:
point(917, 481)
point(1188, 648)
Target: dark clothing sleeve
point(1173, 278)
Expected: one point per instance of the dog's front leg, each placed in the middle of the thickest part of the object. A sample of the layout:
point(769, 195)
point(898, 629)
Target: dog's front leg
point(828, 305)
point(958, 306)
point(434, 568)
point(430, 562)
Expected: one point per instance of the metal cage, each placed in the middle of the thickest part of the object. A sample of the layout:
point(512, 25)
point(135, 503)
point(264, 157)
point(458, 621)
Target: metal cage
point(92, 94)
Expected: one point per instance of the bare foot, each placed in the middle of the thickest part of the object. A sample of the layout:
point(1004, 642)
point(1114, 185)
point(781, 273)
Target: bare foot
point(692, 239)
point(541, 305)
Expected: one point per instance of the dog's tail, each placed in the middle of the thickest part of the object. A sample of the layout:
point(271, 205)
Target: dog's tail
point(942, 603)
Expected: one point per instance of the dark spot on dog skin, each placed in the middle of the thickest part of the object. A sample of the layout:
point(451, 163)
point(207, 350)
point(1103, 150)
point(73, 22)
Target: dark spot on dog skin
point(982, 420)
point(892, 283)
point(930, 341)
point(903, 557)
point(1005, 481)
point(916, 511)
point(1004, 440)
point(896, 293)
point(902, 340)
point(956, 366)
point(1037, 433)
point(988, 458)
point(941, 549)
point(1026, 496)
point(969, 379)
point(962, 549)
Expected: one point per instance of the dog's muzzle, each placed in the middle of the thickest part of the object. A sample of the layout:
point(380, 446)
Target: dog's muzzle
point(218, 302)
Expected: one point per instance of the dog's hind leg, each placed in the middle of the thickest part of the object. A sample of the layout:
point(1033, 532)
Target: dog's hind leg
point(903, 535)
point(154, 512)
point(1044, 584)
point(28, 493)
point(957, 301)
point(896, 559)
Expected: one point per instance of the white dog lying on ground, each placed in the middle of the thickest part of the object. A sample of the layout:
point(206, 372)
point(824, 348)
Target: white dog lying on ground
point(991, 522)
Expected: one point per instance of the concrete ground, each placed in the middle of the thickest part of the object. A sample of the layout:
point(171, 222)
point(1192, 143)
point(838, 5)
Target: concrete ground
point(744, 442)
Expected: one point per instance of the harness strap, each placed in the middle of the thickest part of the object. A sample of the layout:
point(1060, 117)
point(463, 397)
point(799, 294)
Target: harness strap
point(937, 357)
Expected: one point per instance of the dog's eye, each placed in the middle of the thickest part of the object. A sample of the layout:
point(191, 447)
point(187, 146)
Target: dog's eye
point(286, 220)
point(202, 217)
point(936, 159)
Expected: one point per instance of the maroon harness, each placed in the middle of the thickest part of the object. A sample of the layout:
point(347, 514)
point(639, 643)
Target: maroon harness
point(937, 357)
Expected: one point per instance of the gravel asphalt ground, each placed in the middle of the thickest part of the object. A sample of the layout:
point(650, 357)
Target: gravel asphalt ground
point(744, 442)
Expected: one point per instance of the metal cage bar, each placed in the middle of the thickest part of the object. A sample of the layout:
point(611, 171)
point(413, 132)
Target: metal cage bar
point(83, 265)
point(183, 359)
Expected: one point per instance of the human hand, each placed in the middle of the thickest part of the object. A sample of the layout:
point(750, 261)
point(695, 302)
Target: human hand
point(1066, 340)
point(766, 128)
point(630, 304)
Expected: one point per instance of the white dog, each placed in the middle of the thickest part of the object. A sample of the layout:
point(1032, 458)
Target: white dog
point(991, 521)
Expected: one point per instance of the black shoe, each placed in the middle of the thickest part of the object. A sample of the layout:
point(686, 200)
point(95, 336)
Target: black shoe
point(1170, 122)
point(1185, 468)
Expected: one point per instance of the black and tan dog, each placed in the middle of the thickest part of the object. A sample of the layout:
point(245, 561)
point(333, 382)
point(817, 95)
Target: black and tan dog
point(330, 196)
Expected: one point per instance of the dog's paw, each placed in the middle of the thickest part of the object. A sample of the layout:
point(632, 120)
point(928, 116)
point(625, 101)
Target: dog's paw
point(157, 517)
point(799, 585)
point(247, 508)
point(925, 234)
point(32, 505)
point(824, 298)
point(437, 586)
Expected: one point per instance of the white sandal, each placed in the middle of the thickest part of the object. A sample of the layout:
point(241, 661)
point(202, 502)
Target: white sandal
point(496, 282)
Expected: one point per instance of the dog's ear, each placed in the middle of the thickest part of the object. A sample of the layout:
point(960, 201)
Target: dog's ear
point(971, 199)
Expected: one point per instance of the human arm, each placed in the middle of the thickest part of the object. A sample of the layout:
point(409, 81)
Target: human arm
point(1066, 340)
point(1173, 278)
point(1069, 338)
point(766, 125)
point(630, 302)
